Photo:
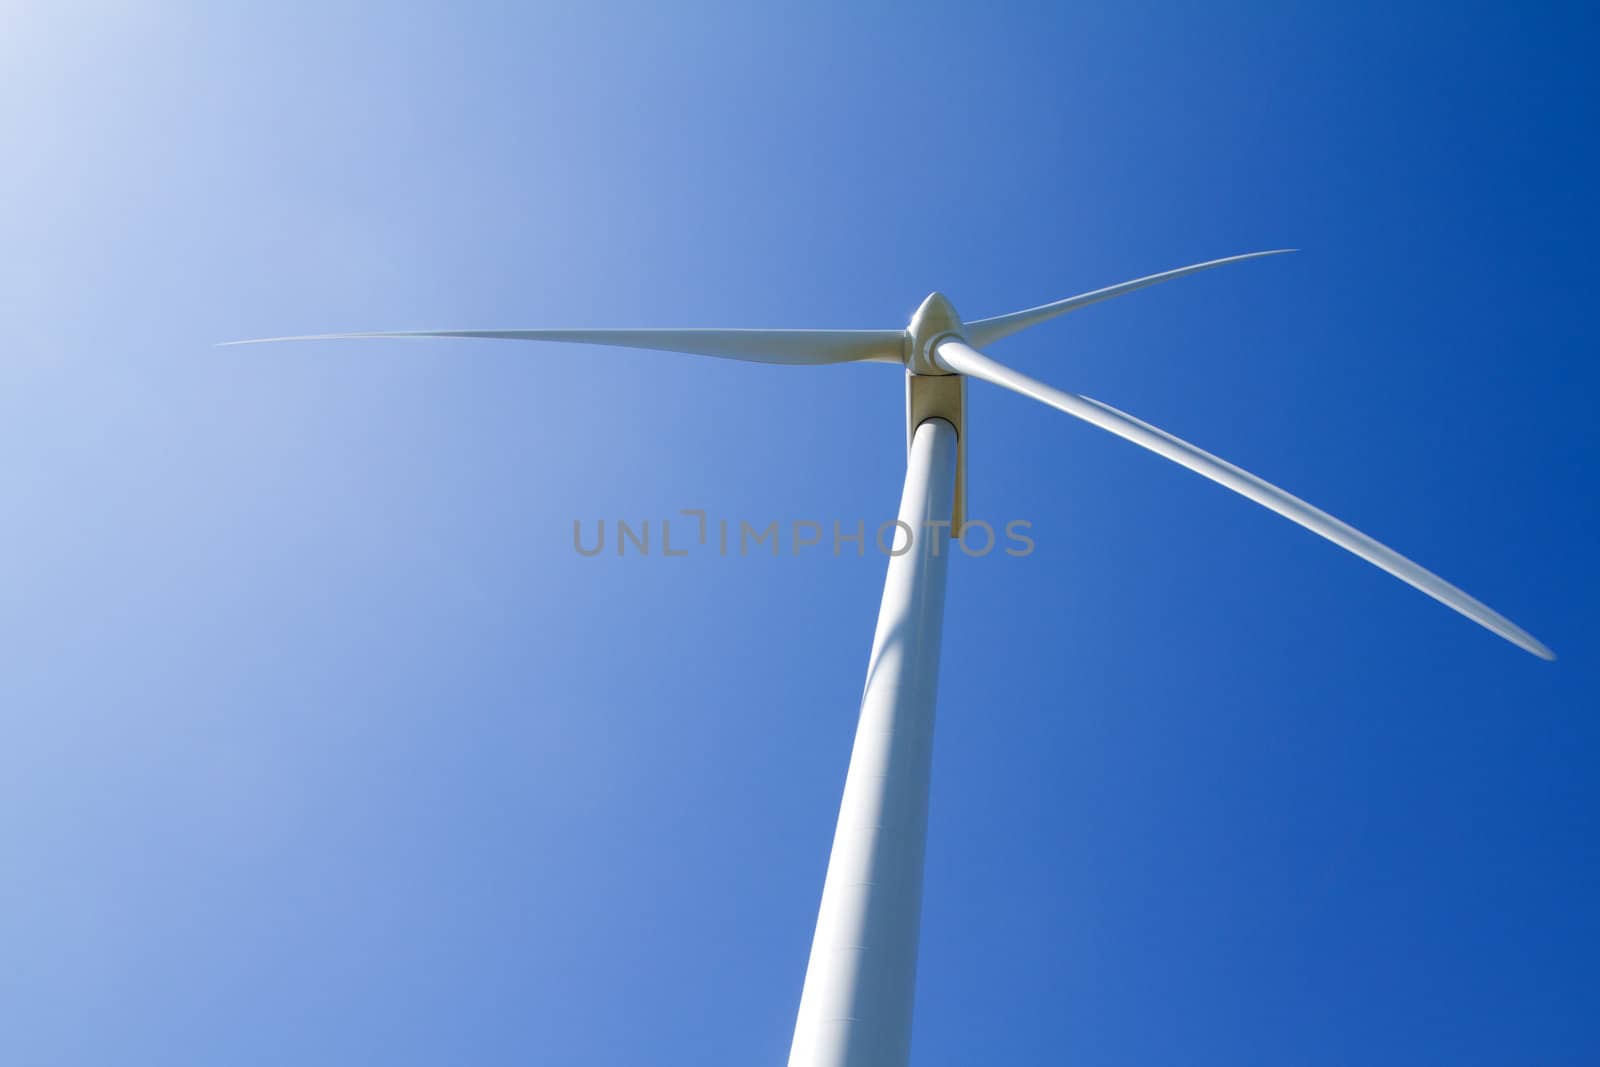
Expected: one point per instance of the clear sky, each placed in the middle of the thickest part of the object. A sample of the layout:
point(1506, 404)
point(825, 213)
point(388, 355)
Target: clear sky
point(322, 745)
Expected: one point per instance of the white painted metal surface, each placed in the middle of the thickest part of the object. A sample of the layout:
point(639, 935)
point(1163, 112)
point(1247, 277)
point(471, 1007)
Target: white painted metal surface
point(957, 357)
point(795, 347)
point(987, 331)
point(855, 1010)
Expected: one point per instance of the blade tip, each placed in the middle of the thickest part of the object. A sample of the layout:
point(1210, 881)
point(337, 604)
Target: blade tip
point(1529, 643)
point(308, 337)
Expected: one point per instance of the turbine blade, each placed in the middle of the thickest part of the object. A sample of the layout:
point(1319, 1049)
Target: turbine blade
point(987, 331)
point(960, 358)
point(798, 347)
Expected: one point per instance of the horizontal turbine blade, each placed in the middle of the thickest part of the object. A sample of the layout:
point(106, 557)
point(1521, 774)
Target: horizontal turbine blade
point(987, 331)
point(960, 358)
point(798, 347)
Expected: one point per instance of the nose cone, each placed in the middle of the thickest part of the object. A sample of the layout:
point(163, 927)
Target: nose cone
point(936, 318)
point(936, 311)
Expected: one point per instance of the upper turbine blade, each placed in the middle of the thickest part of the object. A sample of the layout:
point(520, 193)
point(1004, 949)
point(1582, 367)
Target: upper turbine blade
point(988, 331)
point(960, 358)
point(800, 347)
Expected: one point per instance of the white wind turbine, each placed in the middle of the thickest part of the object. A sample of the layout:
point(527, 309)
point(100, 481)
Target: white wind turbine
point(855, 1008)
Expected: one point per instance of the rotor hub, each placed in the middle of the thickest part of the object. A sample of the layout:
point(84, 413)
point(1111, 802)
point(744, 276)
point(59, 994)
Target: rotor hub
point(936, 320)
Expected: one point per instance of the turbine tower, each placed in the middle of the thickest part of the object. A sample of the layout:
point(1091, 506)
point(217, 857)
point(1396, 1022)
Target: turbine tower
point(855, 1006)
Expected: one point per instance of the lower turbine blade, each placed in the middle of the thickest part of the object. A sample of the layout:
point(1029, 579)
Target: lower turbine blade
point(959, 358)
point(988, 331)
point(796, 347)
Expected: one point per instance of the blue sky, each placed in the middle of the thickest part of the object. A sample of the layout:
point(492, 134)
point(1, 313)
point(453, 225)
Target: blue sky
point(323, 746)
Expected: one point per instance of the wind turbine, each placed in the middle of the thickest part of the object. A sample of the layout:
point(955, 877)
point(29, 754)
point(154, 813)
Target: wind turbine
point(855, 1007)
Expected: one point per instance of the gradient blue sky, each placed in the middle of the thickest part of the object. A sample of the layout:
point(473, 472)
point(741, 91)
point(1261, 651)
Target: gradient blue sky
point(321, 746)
